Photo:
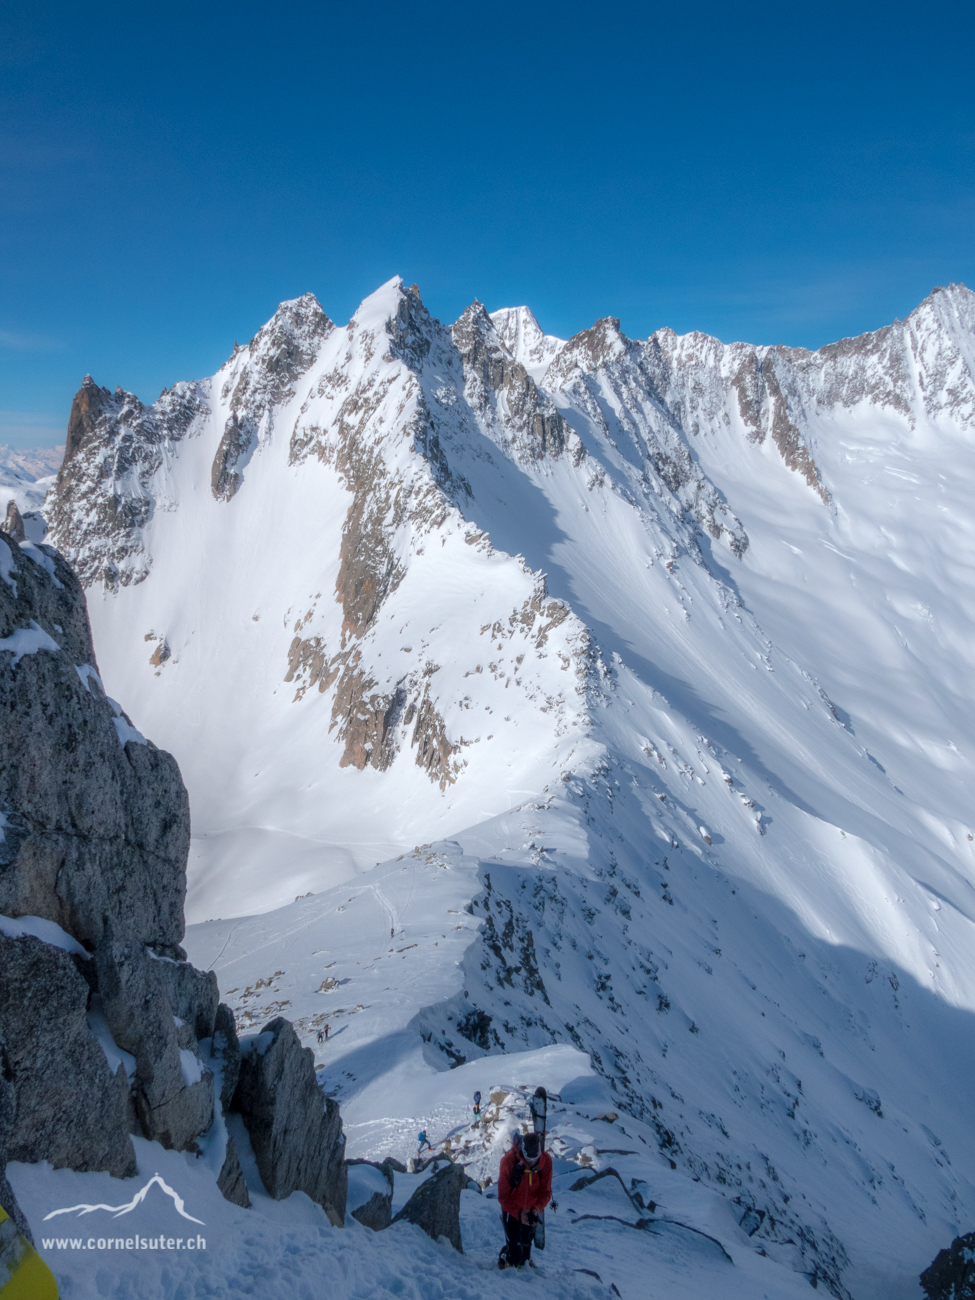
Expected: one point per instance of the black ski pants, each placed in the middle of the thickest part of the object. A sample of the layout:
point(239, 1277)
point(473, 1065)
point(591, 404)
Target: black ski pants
point(519, 1237)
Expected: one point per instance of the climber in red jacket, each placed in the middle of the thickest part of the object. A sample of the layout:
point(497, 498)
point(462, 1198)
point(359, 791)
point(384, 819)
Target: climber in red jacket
point(524, 1190)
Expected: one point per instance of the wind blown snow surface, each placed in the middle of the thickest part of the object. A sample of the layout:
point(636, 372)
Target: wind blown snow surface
point(595, 713)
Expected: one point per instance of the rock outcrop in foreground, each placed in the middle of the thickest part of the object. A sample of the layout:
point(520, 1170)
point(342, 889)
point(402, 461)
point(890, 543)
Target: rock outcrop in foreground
point(298, 1145)
point(375, 1210)
point(435, 1205)
point(952, 1274)
point(105, 1027)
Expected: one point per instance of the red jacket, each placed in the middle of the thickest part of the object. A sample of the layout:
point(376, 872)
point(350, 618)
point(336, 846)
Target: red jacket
point(535, 1189)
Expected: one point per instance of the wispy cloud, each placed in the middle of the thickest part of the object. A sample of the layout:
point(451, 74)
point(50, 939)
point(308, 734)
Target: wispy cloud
point(24, 341)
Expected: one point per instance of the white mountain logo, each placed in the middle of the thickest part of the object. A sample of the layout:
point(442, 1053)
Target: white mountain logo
point(140, 1196)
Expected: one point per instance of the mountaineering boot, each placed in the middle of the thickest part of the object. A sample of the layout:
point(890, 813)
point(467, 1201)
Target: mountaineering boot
point(503, 1257)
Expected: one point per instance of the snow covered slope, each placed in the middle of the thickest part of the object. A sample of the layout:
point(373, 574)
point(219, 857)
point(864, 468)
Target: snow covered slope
point(25, 478)
point(522, 335)
point(704, 784)
point(282, 582)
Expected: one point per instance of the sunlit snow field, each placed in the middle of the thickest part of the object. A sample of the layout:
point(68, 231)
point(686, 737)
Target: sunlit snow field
point(709, 864)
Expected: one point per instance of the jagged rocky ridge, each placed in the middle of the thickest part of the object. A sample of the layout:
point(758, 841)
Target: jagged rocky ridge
point(105, 1028)
point(372, 407)
point(437, 439)
point(658, 394)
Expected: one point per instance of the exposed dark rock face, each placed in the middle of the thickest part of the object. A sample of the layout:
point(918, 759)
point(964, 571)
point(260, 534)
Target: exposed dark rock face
point(98, 829)
point(370, 570)
point(234, 445)
point(366, 717)
point(231, 1178)
point(435, 1205)
point(89, 403)
point(952, 1275)
point(589, 350)
point(193, 996)
point(295, 1132)
point(13, 524)
point(377, 1212)
point(309, 665)
point(532, 423)
point(267, 370)
point(368, 720)
point(95, 837)
point(266, 374)
point(69, 1107)
point(103, 493)
point(161, 654)
point(226, 1048)
point(136, 991)
point(434, 748)
point(8, 1109)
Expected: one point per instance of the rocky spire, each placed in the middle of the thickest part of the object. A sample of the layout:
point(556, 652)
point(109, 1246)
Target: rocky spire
point(534, 427)
point(88, 405)
point(13, 525)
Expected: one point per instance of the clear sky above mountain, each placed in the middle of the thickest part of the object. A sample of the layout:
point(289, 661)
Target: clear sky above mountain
point(171, 172)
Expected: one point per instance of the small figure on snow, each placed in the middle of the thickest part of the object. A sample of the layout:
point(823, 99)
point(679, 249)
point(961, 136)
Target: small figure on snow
point(477, 1106)
point(423, 1141)
point(321, 1036)
point(524, 1190)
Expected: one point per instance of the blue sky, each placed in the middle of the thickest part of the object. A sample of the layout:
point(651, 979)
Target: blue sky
point(771, 172)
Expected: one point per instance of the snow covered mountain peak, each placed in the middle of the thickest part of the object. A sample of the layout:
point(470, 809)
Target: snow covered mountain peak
point(259, 378)
point(588, 351)
point(259, 374)
point(348, 447)
point(499, 389)
point(658, 649)
point(523, 337)
point(398, 313)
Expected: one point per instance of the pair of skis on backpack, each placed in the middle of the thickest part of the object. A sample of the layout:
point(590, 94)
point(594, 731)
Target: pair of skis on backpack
point(538, 1107)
